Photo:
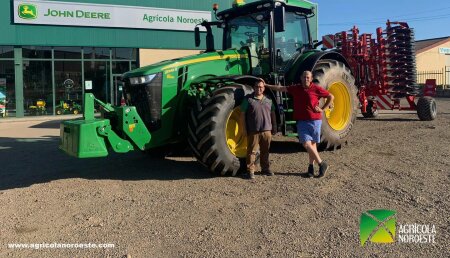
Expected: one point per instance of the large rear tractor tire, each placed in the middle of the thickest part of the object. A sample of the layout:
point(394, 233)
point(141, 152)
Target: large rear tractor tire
point(426, 108)
point(215, 132)
point(338, 120)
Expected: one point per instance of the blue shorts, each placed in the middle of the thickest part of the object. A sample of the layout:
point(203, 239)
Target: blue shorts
point(309, 130)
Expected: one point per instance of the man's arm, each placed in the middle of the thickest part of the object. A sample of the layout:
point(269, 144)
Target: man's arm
point(276, 87)
point(327, 104)
point(242, 122)
point(274, 122)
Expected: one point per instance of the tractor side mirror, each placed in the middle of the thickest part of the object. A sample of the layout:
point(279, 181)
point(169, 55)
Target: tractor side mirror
point(197, 36)
point(280, 18)
point(316, 43)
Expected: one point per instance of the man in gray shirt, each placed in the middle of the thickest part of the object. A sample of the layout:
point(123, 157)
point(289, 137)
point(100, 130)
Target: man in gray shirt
point(258, 116)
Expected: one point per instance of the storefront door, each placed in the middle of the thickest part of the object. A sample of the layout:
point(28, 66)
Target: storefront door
point(117, 90)
point(98, 73)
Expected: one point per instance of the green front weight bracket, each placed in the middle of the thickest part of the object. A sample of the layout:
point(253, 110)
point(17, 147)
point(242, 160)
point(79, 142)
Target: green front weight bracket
point(117, 144)
point(91, 136)
point(131, 124)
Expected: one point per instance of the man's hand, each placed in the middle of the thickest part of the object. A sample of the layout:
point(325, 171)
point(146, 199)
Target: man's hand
point(317, 109)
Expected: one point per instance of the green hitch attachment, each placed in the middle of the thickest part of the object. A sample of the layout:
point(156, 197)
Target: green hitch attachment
point(91, 137)
point(88, 106)
point(118, 144)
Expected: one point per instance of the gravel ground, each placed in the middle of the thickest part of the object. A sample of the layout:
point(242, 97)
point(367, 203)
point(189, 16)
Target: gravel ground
point(149, 207)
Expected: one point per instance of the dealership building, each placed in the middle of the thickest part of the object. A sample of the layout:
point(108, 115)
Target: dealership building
point(433, 60)
point(51, 52)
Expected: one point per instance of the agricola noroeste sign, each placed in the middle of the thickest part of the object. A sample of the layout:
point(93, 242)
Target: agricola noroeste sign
point(102, 15)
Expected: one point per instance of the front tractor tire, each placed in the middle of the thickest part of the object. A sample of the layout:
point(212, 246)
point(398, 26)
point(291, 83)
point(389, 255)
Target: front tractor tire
point(215, 132)
point(338, 120)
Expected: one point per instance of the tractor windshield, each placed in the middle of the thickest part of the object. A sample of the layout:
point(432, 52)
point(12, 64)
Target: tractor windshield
point(251, 31)
point(292, 40)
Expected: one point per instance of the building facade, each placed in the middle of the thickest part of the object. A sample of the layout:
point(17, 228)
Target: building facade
point(52, 52)
point(433, 60)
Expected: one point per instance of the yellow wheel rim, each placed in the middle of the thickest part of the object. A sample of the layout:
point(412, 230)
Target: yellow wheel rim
point(340, 111)
point(236, 140)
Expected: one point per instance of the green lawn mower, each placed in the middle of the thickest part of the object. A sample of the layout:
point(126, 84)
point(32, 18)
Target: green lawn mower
point(68, 107)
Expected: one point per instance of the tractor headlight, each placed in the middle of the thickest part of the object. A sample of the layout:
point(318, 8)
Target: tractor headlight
point(142, 79)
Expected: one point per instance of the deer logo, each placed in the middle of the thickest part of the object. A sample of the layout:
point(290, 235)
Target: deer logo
point(27, 11)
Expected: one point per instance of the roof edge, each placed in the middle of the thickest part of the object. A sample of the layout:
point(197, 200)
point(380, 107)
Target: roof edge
point(433, 45)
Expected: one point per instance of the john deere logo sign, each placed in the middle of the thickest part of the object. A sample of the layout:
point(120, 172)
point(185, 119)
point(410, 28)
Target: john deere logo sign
point(102, 15)
point(377, 226)
point(27, 11)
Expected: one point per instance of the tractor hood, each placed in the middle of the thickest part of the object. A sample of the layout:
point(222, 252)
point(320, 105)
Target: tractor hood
point(227, 55)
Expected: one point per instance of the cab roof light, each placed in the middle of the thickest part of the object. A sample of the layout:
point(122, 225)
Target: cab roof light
point(238, 3)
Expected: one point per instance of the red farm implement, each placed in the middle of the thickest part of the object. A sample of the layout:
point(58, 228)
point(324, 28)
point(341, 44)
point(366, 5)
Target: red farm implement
point(385, 70)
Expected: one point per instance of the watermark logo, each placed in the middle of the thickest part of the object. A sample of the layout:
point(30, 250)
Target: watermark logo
point(27, 11)
point(377, 226)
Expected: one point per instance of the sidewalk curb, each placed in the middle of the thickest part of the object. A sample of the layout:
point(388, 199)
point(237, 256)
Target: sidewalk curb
point(38, 118)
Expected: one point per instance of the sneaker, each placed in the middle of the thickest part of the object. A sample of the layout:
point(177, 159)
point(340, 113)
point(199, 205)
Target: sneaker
point(323, 167)
point(310, 170)
point(268, 173)
point(251, 175)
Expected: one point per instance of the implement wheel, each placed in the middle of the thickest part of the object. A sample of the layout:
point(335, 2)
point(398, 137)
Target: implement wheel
point(338, 120)
point(426, 109)
point(371, 112)
point(215, 132)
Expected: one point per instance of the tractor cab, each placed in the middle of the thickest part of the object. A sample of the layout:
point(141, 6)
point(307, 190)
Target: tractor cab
point(273, 32)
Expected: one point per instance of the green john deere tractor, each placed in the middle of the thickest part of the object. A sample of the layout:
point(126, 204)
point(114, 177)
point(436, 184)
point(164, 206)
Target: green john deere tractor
point(195, 100)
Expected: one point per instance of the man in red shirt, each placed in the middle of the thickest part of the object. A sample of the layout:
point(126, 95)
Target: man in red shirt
point(308, 115)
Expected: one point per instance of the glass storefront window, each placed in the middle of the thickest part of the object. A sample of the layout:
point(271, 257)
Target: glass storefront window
point(37, 88)
point(36, 52)
point(40, 89)
point(6, 52)
point(7, 89)
point(120, 67)
point(68, 87)
point(67, 52)
point(134, 65)
point(98, 73)
point(96, 53)
point(124, 53)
